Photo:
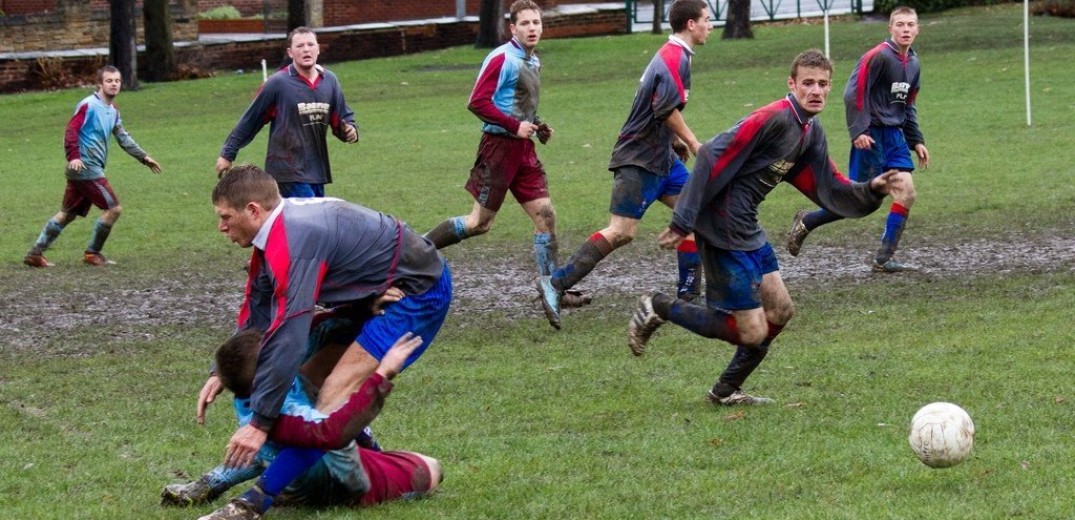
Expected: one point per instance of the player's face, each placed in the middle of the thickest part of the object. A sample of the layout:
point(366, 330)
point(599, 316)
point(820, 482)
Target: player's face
point(700, 28)
point(903, 28)
point(304, 50)
point(110, 85)
point(527, 28)
point(811, 88)
point(240, 225)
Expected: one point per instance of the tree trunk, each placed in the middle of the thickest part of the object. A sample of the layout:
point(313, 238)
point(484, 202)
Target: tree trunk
point(658, 17)
point(737, 26)
point(160, 54)
point(296, 14)
point(490, 24)
point(122, 47)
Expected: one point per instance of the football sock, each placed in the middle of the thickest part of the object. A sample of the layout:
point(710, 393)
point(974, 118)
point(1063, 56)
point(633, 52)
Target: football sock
point(890, 240)
point(701, 320)
point(546, 253)
point(48, 234)
point(690, 263)
point(743, 363)
point(100, 234)
point(223, 478)
point(595, 249)
point(451, 231)
point(288, 465)
point(819, 217)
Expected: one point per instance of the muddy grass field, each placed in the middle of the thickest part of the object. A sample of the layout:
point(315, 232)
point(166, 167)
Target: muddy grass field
point(74, 310)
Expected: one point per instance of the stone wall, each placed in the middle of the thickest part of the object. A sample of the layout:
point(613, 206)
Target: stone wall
point(75, 24)
point(30, 71)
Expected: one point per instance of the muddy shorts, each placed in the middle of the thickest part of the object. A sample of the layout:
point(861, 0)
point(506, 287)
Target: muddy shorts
point(423, 314)
point(81, 194)
point(634, 189)
point(504, 164)
point(889, 152)
point(733, 278)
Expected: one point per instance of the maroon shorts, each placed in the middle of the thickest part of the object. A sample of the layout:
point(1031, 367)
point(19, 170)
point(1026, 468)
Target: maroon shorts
point(394, 475)
point(504, 164)
point(80, 195)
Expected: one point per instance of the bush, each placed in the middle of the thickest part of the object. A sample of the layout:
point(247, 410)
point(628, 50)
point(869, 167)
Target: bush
point(932, 6)
point(224, 12)
point(1062, 8)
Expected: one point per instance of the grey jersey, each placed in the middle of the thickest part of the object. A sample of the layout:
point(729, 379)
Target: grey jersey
point(882, 91)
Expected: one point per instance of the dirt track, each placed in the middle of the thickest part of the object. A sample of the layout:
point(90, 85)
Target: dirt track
point(49, 320)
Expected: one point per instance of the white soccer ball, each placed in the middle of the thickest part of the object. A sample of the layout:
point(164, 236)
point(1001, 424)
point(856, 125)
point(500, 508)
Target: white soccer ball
point(942, 435)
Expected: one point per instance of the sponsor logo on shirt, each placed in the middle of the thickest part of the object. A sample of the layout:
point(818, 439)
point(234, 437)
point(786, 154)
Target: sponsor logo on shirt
point(900, 89)
point(776, 172)
point(314, 113)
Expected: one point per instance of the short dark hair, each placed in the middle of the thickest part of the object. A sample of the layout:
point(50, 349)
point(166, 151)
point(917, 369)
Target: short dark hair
point(299, 30)
point(237, 360)
point(101, 73)
point(683, 11)
point(901, 9)
point(810, 58)
point(522, 5)
point(246, 183)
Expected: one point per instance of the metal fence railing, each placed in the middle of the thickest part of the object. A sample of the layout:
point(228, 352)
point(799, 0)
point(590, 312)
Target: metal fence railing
point(641, 11)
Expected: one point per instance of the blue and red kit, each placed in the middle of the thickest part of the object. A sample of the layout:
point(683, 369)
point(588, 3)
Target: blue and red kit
point(881, 92)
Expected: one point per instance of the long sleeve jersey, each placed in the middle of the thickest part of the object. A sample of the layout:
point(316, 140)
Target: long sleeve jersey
point(882, 90)
point(645, 141)
point(321, 251)
point(507, 89)
point(86, 137)
point(735, 171)
point(299, 114)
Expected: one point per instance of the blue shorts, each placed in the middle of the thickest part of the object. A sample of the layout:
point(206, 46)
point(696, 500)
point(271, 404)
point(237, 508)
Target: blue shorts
point(298, 190)
point(422, 314)
point(889, 152)
point(733, 278)
point(634, 188)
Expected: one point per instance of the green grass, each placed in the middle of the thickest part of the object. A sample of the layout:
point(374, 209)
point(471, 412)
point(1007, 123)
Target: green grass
point(531, 424)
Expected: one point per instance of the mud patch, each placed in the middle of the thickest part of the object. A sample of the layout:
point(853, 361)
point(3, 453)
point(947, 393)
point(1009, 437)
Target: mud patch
point(66, 313)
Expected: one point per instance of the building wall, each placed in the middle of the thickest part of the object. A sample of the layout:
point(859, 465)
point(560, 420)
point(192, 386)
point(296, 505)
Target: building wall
point(75, 24)
point(340, 44)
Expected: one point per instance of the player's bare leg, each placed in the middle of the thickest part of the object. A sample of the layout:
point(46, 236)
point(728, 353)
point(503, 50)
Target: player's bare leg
point(354, 367)
point(457, 229)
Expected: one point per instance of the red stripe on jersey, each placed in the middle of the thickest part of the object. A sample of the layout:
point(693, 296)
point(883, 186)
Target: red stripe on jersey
point(70, 135)
point(672, 56)
point(748, 129)
point(864, 75)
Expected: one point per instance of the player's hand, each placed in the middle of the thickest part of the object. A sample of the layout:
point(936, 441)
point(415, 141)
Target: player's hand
point(392, 361)
point(923, 155)
point(669, 239)
point(882, 184)
point(526, 130)
point(243, 446)
point(863, 142)
point(154, 166)
point(75, 165)
point(544, 133)
point(681, 150)
point(392, 295)
point(210, 390)
point(222, 166)
point(350, 133)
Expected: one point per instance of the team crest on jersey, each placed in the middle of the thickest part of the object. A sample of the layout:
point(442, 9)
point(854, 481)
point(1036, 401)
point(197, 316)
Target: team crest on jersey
point(900, 89)
point(315, 113)
point(776, 172)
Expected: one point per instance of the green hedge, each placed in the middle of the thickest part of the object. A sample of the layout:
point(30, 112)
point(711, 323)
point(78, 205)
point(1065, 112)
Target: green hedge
point(931, 6)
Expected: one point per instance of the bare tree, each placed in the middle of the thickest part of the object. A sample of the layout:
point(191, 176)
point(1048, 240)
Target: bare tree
point(658, 17)
point(296, 14)
point(160, 54)
point(737, 25)
point(490, 24)
point(122, 47)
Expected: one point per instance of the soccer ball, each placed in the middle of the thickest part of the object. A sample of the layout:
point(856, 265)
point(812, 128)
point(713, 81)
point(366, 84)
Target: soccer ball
point(942, 435)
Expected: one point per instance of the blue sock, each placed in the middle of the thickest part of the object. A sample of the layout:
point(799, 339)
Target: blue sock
point(288, 465)
point(890, 240)
point(819, 217)
point(690, 263)
point(546, 251)
point(48, 234)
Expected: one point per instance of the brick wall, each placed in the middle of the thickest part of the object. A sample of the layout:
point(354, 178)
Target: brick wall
point(340, 45)
point(78, 25)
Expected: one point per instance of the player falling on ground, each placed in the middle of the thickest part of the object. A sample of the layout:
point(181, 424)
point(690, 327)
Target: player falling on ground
point(645, 167)
point(746, 302)
point(346, 474)
point(85, 142)
point(879, 102)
